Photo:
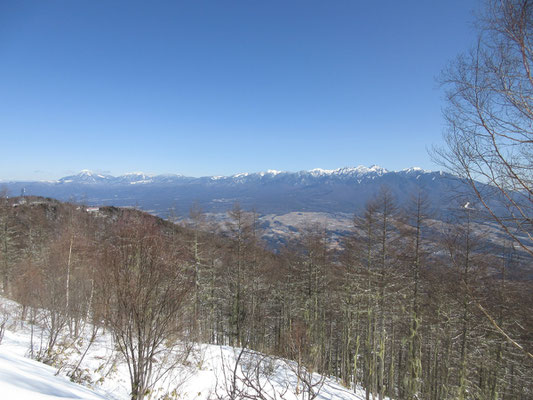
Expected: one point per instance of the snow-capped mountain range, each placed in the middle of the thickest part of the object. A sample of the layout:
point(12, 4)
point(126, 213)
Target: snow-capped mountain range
point(285, 201)
point(346, 174)
point(342, 190)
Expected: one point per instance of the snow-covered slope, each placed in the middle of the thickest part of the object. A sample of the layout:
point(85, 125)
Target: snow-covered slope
point(206, 373)
point(24, 379)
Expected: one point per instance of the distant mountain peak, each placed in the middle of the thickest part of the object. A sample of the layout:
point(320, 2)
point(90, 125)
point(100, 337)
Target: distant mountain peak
point(359, 170)
point(415, 169)
point(88, 172)
point(85, 176)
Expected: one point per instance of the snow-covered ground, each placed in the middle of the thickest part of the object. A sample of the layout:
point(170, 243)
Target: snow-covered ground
point(22, 378)
point(207, 373)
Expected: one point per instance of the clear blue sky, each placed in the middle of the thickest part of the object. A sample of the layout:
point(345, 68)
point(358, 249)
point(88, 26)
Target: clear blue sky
point(216, 87)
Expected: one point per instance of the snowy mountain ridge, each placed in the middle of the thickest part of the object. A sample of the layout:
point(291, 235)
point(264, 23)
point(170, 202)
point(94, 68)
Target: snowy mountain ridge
point(132, 178)
point(341, 190)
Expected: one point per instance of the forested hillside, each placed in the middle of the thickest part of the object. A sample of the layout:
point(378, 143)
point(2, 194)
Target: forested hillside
point(406, 308)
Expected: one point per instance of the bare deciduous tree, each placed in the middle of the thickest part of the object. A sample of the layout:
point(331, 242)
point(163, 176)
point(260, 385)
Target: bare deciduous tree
point(147, 285)
point(489, 117)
